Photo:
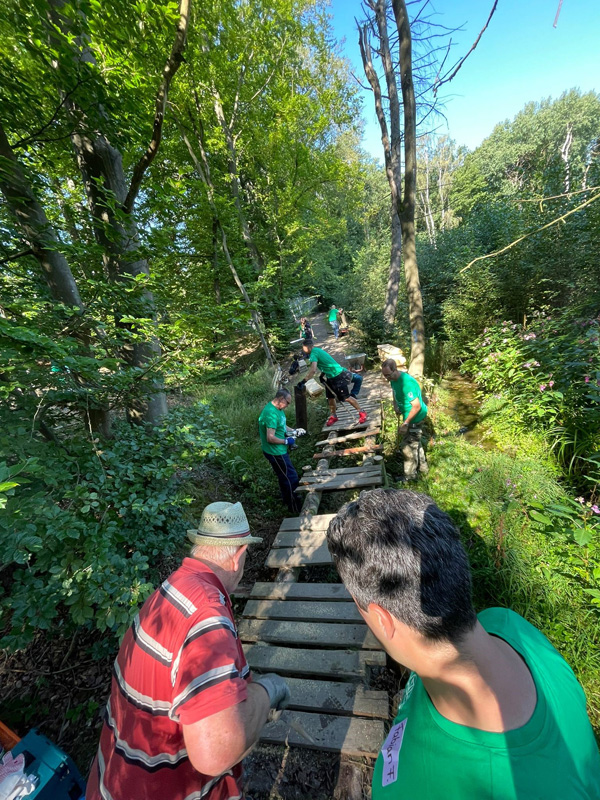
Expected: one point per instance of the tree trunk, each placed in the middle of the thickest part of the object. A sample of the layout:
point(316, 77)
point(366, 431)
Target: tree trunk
point(236, 189)
point(37, 230)
point(101, 167)
point(203, 171)
point(111, 202)
point(391, 157)
point(407, 216)
point(391, 294)
point(43, 242)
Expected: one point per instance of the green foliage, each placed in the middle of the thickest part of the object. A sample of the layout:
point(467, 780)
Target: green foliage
point(518, 561)
point(549, 372)
point(79, 534)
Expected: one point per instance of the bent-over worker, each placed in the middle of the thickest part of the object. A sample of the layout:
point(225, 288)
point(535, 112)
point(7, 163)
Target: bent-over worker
point(409, 402)
point(184, 709)
point(491, 710)
point(334, 378)
point(275, 440)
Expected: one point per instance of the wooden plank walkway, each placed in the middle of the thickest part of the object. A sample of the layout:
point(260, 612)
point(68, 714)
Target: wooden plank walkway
point(313, 633)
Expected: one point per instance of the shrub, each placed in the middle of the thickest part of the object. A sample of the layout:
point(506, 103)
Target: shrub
point(549, 374)
point(81, 526)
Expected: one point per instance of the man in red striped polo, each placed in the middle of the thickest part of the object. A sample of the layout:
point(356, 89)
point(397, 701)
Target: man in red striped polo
point(183, 709)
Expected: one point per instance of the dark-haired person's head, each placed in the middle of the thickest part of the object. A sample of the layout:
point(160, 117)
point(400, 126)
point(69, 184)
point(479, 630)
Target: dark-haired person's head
point(307, 346)
point(402, 561)
point(282, 399)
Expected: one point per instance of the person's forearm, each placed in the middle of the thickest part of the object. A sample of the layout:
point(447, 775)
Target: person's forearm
point(276, 440)
point(255, 710)
point(414, 410)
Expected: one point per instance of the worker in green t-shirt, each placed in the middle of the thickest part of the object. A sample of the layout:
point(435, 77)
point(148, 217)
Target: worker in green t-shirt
point(333, 320)
point(275, 438)
point(409, 402)
point(334, 378)
point(491, 710)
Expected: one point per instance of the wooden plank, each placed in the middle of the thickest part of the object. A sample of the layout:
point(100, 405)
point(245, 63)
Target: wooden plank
point(335, 486)
point(299, 591)
point(350, 451)
point(342, 425)
point(318, 634)
point(349, 664)
point(370, 471)
point(320, 522)
point(351, 736)
point(350, 436)
point(302, 610)
point(299, 557)
point(333, 697)
point(339, 471)
point(299, 539)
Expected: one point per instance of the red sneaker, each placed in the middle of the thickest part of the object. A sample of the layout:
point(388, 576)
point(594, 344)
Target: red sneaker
point(362, 417)
point(332, 420)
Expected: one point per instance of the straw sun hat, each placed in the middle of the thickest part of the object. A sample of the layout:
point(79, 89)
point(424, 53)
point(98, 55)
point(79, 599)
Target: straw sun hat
point(222, 524)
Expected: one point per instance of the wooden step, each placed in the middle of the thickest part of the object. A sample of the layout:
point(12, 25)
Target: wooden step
point(318, 634)
point(298, 557)
point(344, 664)
point(300, 591)
point(351, 736)
point(350, 451)
point(341, 485)
point(332, 697)
point(302, 610)
point(351, 425)
point(319, 522)
point(299, 539)
point(360, 435)
point(333, 473)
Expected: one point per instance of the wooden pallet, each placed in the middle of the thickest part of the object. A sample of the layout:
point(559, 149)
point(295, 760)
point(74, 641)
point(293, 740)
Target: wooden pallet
point(312, 633)
point(320, 522)
point(305, 634)
point(351, 736)
point(300, 591)
point(351, 451)
point(341, 485)
point(349, 665)
point(359, 435)
point(315, 556)
point(302, 610)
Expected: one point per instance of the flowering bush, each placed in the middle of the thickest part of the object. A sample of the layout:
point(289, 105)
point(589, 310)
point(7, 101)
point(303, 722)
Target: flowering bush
point(549, 371)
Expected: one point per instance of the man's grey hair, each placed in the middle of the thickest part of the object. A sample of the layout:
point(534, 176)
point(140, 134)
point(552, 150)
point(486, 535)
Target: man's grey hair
point(398, 550)
point(217, 554)
point(389, 363)
point(282, 394)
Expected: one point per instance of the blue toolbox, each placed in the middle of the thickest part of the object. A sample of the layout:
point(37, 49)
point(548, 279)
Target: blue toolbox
point(59, 778)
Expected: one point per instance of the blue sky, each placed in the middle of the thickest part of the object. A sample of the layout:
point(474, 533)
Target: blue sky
point(521, 57)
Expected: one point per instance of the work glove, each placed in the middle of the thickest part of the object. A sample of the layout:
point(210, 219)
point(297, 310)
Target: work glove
point(290, 441)
point(301, 384)
point(278, 691)
point(298, 432)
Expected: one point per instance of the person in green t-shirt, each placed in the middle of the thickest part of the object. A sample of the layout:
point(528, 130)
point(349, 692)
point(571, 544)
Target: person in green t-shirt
point(333, 321)
point(491, 710)
point(275, 437)
point(334, 378)
point(409, 402)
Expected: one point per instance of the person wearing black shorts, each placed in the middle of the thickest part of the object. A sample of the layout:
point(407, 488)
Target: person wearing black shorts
point(333, 377)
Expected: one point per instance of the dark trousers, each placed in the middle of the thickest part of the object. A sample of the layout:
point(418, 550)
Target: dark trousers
point(413, 454)
point(288, 480)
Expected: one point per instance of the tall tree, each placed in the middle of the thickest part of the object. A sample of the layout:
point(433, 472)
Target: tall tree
point(403, 192)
